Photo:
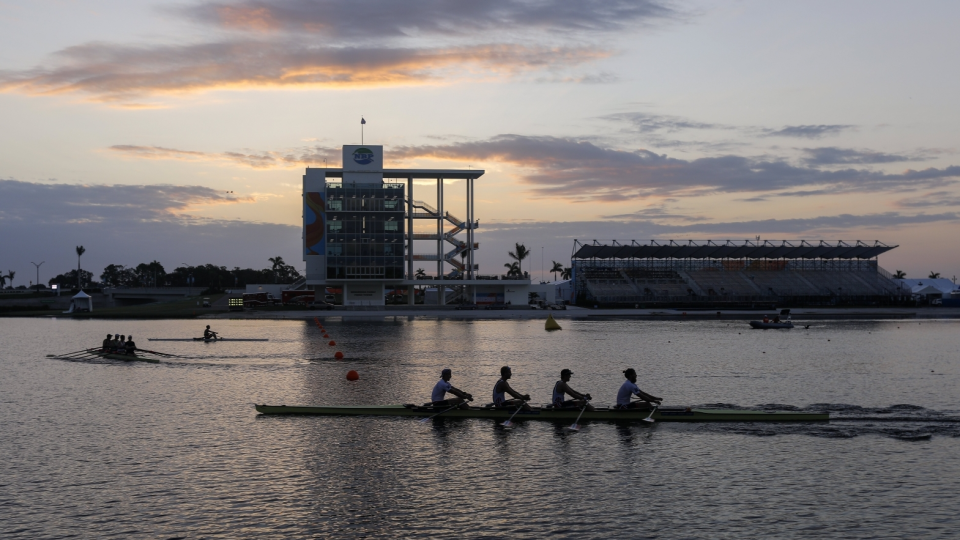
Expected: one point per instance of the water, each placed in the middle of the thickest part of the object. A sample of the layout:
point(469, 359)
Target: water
point(108, 449)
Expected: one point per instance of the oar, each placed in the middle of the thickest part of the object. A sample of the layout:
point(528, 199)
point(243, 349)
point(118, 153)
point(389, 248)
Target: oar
point(427, 419)
point(509, 422)
point(574, 426)
point(649, 417)
point(71, 354)
point(158, 353)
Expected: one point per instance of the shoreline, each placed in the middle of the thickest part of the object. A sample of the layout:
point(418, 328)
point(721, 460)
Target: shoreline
point(796, 314)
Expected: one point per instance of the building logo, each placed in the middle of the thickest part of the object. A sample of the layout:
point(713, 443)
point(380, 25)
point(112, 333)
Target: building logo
point(363, 156)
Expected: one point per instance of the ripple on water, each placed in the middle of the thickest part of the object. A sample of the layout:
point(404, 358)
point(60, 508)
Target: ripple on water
point(108, 449)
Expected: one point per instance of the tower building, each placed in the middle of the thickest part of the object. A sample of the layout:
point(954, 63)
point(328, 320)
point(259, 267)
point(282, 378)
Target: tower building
point(359, 234)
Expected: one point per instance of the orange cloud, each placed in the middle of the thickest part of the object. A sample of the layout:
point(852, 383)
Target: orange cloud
point(124, 75)
point(302, 157)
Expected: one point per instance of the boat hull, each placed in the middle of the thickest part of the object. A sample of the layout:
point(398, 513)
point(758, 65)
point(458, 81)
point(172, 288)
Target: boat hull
point(208, 340)
point(760, 325)
point(666, 414)
point(127, 358)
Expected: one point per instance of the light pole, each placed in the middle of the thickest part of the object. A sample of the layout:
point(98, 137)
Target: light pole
point(38, 273)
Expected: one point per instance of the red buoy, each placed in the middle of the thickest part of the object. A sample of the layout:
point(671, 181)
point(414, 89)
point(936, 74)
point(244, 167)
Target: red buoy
point(338, 356)
point(332, 343)
point(352, 375)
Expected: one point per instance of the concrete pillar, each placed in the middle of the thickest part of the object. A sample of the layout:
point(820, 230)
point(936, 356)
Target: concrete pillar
point(411, 295)
point(410, 227)
point(439, 228)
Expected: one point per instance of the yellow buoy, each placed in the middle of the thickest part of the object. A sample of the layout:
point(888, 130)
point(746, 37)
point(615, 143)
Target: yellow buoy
point(551, 323)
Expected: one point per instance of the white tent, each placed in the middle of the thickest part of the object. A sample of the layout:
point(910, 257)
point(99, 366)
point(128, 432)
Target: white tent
point(924, 286)
point(81, 302)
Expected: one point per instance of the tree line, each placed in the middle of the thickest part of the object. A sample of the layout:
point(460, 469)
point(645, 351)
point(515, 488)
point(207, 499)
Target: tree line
point(153, 274)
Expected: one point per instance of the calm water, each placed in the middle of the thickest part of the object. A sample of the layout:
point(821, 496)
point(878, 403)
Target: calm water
point(108, 449)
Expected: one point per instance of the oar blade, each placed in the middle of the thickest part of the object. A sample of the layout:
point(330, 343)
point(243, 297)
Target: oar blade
point(507, 424)
point(573, 428)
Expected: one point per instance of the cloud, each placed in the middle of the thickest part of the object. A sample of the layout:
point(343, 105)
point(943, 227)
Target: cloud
point(79, 203)
point(300, 157)
point(580, 170)
point(658, 123)
point(936, 198)
point(657, 212)
point(379, 19)
point(832, 155)
point(808, 132)
point(126, 74)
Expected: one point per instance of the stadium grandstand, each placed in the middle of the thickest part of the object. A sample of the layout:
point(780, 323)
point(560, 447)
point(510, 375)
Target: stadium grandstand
point(732, 273)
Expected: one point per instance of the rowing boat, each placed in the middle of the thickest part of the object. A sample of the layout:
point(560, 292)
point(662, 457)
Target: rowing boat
point(92, 354)
point(126, 357)
point(760, 325)
point(663, 414)
point(207, 340)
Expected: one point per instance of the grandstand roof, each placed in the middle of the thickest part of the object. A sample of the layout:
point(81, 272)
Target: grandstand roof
point(709, 249)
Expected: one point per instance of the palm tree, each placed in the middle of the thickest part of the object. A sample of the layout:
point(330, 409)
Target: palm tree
point(899, 274)
point(80, 251)
point(420, 274)
point(10, 274)
point(277, 262)
point(933, 275)
point(521, 252)
point(567, 273)
point(513, 269)
point(557, 267)
point(3, 280)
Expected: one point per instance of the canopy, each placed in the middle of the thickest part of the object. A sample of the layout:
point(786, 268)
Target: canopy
point(698, 249)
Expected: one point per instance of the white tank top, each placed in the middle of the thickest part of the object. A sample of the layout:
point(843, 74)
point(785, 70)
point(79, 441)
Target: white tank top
point(498, 397)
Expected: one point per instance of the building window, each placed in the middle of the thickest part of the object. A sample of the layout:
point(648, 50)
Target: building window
point(334, 205)
point(335, 226)
point(390, 226)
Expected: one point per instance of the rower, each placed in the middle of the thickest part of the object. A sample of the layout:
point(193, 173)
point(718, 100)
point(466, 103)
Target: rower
point(209, 334)
point(130, 347)
point(503, 387)
point(629, 388)
point(114, 343)
point(107, 343)
point(442, 387)
point(121, 344)
point(561, 388)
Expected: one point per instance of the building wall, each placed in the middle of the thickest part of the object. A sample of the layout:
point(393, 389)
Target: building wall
point(314, 225)
point(363, 294)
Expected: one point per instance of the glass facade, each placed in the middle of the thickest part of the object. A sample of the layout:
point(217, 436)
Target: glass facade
point(365, 231)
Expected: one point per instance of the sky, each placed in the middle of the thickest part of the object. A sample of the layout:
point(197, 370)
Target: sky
point(179, 131)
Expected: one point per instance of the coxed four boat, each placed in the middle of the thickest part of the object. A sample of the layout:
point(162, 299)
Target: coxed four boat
point(662, 414)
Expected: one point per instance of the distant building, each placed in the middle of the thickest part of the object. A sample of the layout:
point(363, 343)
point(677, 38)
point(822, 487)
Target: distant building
point(731, 273)
point(359, 234)
point(930, 289)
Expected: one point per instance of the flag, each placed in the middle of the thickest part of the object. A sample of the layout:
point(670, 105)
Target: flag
point(362, 121)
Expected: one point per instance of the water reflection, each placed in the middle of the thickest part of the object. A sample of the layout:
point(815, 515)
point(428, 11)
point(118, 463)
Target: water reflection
point(113, 450)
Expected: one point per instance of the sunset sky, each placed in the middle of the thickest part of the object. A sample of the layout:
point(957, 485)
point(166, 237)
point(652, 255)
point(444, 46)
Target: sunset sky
point(125, 124)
